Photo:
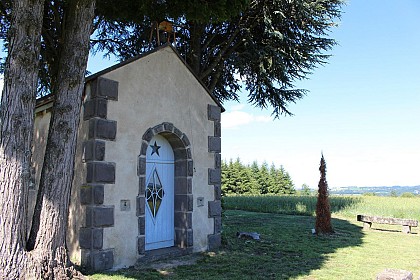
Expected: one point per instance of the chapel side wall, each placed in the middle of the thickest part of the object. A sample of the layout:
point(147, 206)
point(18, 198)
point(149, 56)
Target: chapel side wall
point(39, 143)
point(76, 214)
point(154, 90)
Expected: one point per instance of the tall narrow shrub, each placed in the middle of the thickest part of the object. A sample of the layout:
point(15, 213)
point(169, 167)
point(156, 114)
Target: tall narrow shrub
point(323, 211)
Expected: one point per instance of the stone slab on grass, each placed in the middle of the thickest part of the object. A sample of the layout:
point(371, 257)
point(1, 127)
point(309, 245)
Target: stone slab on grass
point(395, 274)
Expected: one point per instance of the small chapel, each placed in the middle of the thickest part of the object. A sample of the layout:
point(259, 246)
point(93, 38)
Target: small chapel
point(147, 180)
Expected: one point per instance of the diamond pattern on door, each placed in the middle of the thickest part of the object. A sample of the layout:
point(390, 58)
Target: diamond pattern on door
point(154, 194)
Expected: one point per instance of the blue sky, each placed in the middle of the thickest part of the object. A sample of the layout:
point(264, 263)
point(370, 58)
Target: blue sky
point(362, 110)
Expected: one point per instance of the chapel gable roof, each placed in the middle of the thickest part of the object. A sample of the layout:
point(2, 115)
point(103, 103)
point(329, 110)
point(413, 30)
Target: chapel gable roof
point(135, 58)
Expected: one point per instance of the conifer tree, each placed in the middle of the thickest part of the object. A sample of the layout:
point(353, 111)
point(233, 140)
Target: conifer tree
point(323, 211)
point(238, 178)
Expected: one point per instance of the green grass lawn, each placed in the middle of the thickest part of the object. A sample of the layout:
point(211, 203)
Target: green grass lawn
point(288, 250)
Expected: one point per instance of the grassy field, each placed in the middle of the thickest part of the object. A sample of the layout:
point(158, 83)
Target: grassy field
point(345, 206)
point(288, 250)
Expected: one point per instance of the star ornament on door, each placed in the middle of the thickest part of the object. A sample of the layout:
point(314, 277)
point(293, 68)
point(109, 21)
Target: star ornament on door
point(154, 194)
point(155, 149)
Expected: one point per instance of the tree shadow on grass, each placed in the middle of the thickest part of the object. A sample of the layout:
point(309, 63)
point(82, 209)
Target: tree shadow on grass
point(388, 230)
point(287, 247)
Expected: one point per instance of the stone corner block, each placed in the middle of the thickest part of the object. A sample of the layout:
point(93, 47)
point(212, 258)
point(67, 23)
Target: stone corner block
point(217, 192)
point(91, 238)
point(217, 129)
point(105, 88)
point(97, 260)
point(91, 194)
point(213, 112)
point(218, 225)
point(99, 216)
point(102, 129)
point(214, 241)
point(215, 176)
point(94, 150)
point(96, 107)
point(86, 259)
point(215, 208)
point(215, 144)
point(217, 161)
point(190, 238)
point(102, 260)
point(100, 172)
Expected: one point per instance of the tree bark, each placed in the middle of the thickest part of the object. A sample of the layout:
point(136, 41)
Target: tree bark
point(17, 118)
point(196, 50)
point(49, 229)
point(48, 256)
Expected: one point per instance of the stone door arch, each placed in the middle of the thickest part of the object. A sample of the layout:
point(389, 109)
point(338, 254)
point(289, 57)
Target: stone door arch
point(183, 172)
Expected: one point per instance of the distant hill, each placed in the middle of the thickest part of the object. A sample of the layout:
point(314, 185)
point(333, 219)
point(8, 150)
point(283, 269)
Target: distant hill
point(379, 190)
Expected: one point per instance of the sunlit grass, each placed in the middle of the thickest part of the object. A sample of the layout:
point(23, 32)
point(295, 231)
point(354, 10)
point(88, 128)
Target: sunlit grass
point(396, 207)
point(347, 206)
point(288, 250)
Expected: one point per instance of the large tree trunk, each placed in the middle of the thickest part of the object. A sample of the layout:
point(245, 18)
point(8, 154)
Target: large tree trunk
point(49, 226)
point(16, 118)
point(47, 257)
point(196, 51)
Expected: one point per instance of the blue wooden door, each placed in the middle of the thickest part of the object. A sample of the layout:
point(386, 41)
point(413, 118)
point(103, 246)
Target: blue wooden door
point(159, 194)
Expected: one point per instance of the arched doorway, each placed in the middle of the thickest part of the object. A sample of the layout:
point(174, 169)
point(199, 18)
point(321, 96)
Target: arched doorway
point(183, 168)
point(159, 194)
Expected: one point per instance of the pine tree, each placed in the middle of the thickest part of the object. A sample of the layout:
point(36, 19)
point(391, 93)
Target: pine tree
point(250, 182)
point(271, 44)
point(323, 211)
point(255, 173)
point(288, 186)
point(305, 190)
point(225, 177)
point(274, 183)
point(238, 178)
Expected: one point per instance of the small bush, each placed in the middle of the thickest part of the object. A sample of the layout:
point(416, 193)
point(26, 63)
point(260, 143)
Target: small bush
point(393, 194)
point(408, 194)
point(369, 194)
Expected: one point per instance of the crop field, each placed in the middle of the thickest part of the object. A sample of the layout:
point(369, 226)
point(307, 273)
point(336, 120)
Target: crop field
point(287, 248)
point(345, 206)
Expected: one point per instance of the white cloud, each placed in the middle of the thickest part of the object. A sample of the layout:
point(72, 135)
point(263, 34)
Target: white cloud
point(238, 118)
point(237, 107)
